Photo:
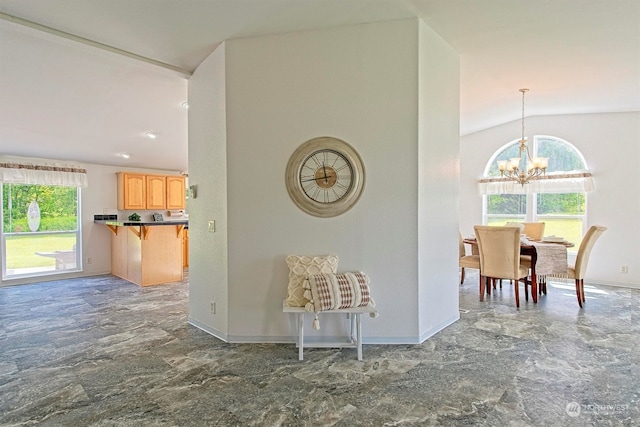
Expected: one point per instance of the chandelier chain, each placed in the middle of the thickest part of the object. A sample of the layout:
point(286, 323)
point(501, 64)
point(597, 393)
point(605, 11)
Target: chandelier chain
point(523, 92)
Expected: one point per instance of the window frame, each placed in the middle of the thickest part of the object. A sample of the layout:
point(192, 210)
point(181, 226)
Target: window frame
point(43, 273)
point(531, 198)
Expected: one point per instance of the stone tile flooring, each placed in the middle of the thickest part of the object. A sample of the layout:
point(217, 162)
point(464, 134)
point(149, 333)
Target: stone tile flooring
point(100, 351)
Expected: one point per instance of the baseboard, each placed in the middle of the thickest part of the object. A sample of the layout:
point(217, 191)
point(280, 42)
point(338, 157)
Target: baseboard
point(211, 331)
point(590, 282)
point(612, 284)
point(440, 326)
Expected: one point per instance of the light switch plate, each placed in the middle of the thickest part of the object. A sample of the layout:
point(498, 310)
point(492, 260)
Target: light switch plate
point(212, 226)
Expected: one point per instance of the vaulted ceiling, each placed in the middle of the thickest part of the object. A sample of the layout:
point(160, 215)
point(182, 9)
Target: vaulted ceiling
point(65, 94)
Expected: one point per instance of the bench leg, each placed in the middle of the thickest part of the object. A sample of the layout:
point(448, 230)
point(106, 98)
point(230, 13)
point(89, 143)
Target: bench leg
point(359, 336)
point(300, 336)
point(352, 323)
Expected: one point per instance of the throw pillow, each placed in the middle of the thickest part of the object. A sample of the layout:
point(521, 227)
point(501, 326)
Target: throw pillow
point(336, 291)
point(301, 266)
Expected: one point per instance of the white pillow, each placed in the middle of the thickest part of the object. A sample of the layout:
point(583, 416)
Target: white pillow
point(301, 266)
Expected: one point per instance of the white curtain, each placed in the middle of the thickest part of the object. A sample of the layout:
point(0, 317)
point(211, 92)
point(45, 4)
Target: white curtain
point(23, 170)
point(556, 182)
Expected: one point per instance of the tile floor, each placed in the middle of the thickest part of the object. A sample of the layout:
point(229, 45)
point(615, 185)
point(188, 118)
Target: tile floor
point(100, 351)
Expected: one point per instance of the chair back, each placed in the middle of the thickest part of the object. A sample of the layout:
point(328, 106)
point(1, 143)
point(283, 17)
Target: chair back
point(589, 239)
point(534, 230)
point(499, 249)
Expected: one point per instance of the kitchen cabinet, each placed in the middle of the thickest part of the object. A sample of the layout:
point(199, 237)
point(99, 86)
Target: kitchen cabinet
point(138, 191)
point(176, 197)
point(131, 191)
point(156, 192)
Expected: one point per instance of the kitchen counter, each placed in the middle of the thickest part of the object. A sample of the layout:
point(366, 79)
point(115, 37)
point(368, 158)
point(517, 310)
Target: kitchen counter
point(128, 223)
point(144, 230)
point(147, 252)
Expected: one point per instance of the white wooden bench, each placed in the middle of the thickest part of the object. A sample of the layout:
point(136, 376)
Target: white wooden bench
point(353, 341)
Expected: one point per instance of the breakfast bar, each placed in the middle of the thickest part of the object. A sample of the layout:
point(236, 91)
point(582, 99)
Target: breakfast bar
point(147, 253)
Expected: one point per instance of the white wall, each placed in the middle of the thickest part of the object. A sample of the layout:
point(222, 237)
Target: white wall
point(610, 144)
point(358, 83)
point(438, 157)
point(100, 194)
point(208, 171)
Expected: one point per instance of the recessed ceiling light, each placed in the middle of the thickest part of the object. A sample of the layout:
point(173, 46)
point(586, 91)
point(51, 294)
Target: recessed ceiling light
point(151, 135)
point(124, 155)
point(185, 105)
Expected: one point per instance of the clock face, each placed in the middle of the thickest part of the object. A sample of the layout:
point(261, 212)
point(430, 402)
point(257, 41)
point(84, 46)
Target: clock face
point(325, 177)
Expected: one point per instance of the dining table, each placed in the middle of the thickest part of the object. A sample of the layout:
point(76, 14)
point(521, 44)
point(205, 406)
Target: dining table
point(547, 258)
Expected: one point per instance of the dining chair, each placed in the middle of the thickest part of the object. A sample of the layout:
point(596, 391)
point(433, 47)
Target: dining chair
point(464, 260)
point(499, 249)
point(579, 269)
point(533, 230)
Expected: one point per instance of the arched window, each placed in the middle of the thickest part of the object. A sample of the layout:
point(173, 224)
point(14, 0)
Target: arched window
point(559, 200)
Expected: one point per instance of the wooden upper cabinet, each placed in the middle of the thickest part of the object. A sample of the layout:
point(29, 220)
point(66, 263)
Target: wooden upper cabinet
point(176, 193)
point(152, 192)
point(156, 191)
point(131, 191)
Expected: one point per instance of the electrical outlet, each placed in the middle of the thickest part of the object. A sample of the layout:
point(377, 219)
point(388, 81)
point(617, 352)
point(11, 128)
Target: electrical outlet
point(89, 260)
point(213, 307)
point(211, 226)
point(624, 269)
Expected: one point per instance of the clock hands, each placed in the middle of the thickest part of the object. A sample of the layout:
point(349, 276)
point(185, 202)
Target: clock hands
point(326, 177)
point(310, 179)
point(315, 179)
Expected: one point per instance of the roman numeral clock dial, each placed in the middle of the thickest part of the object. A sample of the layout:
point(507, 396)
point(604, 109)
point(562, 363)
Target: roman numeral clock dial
point(325, 177)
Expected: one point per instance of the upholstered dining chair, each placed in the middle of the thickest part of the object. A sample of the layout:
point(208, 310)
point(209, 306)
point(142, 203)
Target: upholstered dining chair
point(499, 249)
point(533, 230)
point(464, 260)
point(579, 270)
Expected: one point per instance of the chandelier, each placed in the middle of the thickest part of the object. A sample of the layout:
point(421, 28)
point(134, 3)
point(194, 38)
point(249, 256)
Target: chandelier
point(523, 169)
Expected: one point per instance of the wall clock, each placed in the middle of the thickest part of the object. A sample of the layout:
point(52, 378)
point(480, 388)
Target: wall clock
point(325, 177)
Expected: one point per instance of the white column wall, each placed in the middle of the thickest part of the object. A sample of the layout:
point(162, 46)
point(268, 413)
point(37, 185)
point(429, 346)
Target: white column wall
point(358, 83)
point(439, 143)
point(208, 256)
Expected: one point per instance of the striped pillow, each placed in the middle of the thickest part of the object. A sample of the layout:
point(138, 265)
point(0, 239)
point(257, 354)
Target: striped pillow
point(336, 291)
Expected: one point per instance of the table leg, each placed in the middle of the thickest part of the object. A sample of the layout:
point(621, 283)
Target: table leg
point(534, 279)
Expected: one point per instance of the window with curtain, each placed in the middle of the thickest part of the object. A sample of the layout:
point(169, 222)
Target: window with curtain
point(559, 200)
point(41, 231)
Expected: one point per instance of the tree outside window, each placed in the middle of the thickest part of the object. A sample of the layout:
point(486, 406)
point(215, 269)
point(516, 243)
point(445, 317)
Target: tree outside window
point(43, 245)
